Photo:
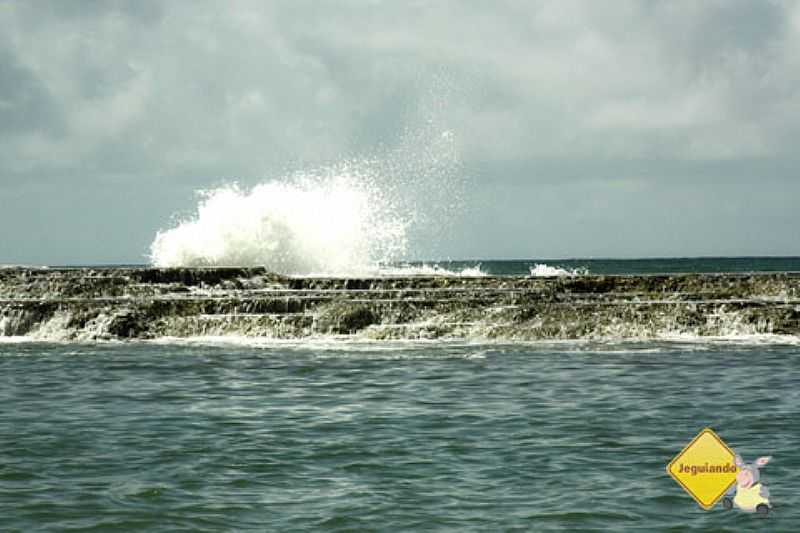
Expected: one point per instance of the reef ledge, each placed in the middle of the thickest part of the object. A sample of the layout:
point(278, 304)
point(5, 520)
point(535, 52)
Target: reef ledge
point(87, 304)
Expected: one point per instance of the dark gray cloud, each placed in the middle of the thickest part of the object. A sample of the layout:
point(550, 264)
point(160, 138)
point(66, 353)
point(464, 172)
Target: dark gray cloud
point(557, 100)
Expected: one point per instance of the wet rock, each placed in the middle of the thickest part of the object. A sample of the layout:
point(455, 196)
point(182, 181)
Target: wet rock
point(345, 318)
point(144, 302)
point(127, 324)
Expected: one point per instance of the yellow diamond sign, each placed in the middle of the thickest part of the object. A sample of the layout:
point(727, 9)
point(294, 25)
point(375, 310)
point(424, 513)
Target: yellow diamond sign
point(705, 468)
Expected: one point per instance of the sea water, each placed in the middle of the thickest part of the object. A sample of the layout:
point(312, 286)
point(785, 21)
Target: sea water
point(232, 434)
point(331, 435)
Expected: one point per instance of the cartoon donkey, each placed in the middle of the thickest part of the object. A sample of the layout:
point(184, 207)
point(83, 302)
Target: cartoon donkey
point(749, 494)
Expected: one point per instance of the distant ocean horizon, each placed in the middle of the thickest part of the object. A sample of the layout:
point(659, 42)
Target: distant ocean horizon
point(593, 265)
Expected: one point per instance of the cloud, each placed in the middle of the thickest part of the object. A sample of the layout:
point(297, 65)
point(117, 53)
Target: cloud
point(194, 93)
point(176, 84)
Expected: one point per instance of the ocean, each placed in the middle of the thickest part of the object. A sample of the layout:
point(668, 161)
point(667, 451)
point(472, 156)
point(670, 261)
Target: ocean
point(599, 266)
point(339, 434)
point(610, 266)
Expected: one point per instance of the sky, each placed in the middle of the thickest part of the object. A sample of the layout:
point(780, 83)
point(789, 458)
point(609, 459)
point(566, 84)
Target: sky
point(580, 129)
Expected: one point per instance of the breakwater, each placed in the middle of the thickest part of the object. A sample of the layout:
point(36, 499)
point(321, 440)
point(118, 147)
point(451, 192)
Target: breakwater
point(145, 303)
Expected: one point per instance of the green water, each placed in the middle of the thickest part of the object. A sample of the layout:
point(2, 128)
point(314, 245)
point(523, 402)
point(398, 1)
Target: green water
point(394, 437)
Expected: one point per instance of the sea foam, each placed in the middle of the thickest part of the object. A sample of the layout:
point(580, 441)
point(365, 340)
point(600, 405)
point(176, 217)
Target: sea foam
point(542, 270)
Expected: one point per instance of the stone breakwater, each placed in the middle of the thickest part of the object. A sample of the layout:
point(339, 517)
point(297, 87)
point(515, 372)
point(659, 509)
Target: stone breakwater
point(147, 303)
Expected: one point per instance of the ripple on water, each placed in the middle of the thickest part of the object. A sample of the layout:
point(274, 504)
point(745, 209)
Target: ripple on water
point(160, 437)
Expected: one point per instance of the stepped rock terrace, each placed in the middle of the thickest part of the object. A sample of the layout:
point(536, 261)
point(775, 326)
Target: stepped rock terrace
point(86, 304)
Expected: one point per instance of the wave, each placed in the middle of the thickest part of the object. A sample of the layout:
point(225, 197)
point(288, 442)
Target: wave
point(334, 224)
point(17, 339)
point(324, 342)
point(429, 270)
point(357, 344)
point(12, 267)
point(542, 270)
point(336, 227)
point(351, 218)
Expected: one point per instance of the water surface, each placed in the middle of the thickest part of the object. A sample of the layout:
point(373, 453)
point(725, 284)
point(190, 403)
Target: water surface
point(386, 437)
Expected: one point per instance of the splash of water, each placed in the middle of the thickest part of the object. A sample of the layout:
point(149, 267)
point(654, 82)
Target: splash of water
point(475, 271)
point(542, 270)
point(354, 218)
point(333, 223)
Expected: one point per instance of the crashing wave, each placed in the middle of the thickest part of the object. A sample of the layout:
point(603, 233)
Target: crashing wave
point(349, 218)
point(542, 270)
point(337, 224)
point(430, 270)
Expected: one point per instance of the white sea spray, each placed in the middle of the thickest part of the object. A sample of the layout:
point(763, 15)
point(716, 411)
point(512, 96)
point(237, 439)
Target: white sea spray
point(542, 270)
point(334, 223)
